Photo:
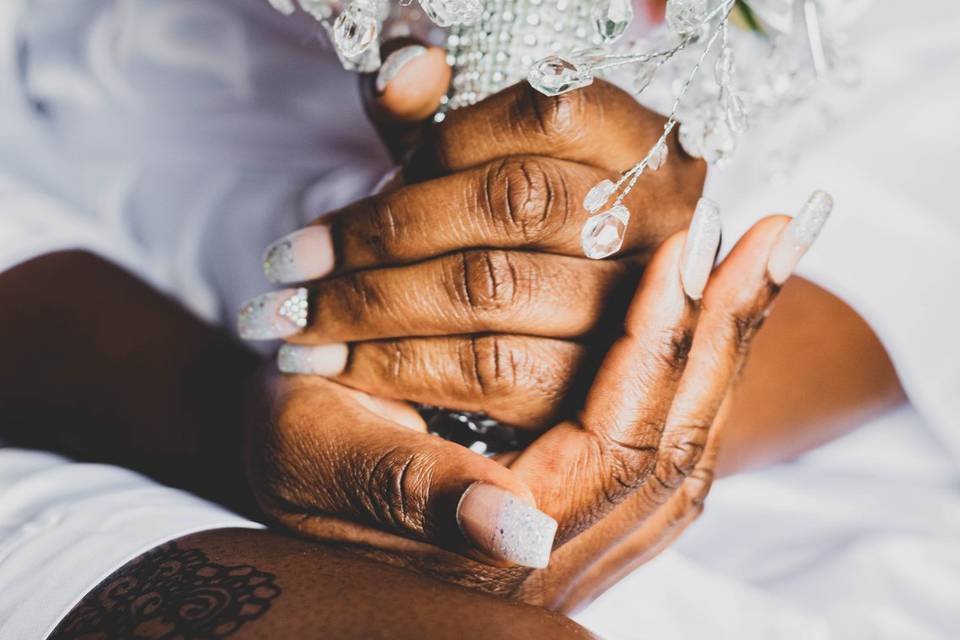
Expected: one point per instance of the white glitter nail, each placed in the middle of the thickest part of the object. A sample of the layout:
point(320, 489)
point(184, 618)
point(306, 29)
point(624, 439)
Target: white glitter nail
point(798, 236)
point(324, 360)
point(700, 249)
point(279, 314)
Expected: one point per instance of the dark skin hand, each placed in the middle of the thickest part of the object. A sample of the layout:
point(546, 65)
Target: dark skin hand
point(257, 584)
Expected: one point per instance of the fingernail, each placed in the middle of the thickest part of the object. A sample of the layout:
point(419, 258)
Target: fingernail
point(798, 236)
point(700, 249)
point(395, 62)
point(505, 527)
point(279, 314)
point(325, 360)
point(303, 255)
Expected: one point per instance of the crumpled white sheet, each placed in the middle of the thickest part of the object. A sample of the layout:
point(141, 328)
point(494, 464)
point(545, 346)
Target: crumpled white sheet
point(860, 539)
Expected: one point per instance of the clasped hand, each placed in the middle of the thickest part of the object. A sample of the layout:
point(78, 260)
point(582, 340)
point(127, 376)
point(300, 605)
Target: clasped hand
point(469, 290)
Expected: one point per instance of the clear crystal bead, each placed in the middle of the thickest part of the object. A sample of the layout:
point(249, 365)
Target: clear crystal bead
point(612, 18)
point(554, 75)
point(645, 74)
point(726, 67)
point(718, 141)
point(603, 233)
point(599, 196)
point(446, 13)
point(658, 156)
point(588, 56)
point(736, 113)
point(686, 17)
point(355, 29)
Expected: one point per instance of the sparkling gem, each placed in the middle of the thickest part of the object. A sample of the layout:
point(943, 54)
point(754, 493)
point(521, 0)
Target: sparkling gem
point(296, 308)
point(355, 30)
point(686, 17)
point(589, 56)
point(554, 75)
point(645, 74)
point(446, 13)
point(718, 141)
point(599, 196)
point(736, 113)
point(726, 67)
point(603, 233)
point(612, 18)
point(658, 155)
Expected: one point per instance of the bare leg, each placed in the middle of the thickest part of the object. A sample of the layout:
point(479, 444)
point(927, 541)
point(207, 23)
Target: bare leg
point(258, 584)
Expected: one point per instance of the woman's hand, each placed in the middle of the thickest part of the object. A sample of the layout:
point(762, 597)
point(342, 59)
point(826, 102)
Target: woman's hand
point(333, 464)
point(470, 290)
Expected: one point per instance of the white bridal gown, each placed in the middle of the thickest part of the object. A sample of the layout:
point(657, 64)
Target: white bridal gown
point(179, 137)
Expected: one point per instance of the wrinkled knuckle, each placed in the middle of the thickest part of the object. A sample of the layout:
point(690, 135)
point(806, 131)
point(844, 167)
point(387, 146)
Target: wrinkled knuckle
point(697, 488)
point(628, 465)
point(397, 486)
point(400, 360)
point(745, 326)
point(490, 281)
point(678, 462)
point(528, 198)
point(562, 119)
point(383, 237)
point(490, 366)
point(356, 295)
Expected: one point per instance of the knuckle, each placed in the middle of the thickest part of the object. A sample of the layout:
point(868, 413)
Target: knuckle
point(697, 488)
point(397, 484)
point(489, 280)
point(677, 462)
point(745, 326)
point(627, 465)
point(383, 234)
point(527, 198)
point(400, 360)
point(561, 119)
point(355, 294)
point(489, 365)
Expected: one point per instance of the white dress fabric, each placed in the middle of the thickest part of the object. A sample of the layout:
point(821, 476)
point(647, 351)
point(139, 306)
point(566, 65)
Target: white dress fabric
point(179, 137)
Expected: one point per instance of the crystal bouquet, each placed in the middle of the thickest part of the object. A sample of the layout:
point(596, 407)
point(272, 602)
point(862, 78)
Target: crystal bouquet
point(791, 46)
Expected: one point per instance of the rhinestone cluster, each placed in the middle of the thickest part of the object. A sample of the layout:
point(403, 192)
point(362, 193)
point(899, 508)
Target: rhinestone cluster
point(296, 308)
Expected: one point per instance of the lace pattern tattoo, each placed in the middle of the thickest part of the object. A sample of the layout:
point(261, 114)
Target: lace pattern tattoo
point(172, 594)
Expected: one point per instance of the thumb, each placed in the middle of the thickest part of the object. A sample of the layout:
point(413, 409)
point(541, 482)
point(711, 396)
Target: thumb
point(405, 93)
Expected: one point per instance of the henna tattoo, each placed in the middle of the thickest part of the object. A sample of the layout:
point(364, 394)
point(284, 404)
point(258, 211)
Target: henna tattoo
point(172, 594)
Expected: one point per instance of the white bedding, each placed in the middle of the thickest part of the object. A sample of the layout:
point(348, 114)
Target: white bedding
point(858, 540)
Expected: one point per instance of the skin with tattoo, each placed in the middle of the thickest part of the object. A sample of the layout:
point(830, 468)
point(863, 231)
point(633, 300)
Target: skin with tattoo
point(253, 584)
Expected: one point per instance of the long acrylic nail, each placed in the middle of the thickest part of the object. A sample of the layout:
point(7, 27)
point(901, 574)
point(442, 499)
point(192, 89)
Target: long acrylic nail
point(303, 255)
point(505, 527)
point(700, 249)
point(324, 360)
point(279, 314)
point(798, 236)
point(395, 62)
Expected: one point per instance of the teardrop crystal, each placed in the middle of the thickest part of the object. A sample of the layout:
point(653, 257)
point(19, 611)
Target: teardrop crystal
point(686, 17)
point(726, 67)
point(603, 233)
point(646, 71)
point(737, 116)
point(599, 196)
point(446, 13)
point(554, 75)
point(658, 156)
point(612, 18)
point(355, 30)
